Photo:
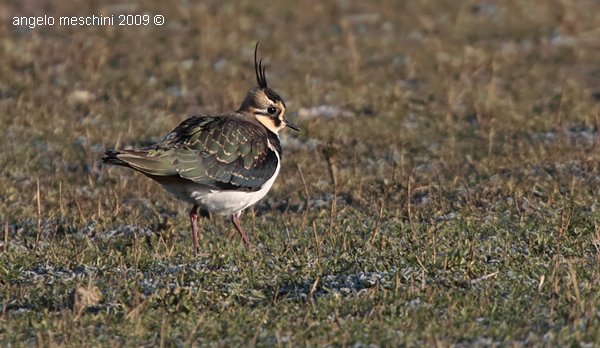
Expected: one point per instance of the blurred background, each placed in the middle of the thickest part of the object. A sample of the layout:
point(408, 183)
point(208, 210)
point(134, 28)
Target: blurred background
point(462, 132)
point(391, 85)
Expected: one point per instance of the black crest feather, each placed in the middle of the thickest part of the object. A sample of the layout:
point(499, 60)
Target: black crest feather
point(261, 79)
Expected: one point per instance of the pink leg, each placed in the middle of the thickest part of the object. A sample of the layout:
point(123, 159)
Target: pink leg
point(236, 222)
point(194, 221)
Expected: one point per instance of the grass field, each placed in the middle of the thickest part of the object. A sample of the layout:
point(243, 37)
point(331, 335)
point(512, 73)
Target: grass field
point(443, 191)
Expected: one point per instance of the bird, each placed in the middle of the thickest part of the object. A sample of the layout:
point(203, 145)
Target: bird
point(221, 163)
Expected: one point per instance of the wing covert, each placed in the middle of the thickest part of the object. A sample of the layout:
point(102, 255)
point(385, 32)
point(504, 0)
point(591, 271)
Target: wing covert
point(216, 151)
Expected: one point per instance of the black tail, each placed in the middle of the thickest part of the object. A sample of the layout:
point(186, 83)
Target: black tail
point(111, 157)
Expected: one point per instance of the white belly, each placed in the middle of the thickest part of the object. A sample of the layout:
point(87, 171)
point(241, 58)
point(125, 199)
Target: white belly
point(224, 202)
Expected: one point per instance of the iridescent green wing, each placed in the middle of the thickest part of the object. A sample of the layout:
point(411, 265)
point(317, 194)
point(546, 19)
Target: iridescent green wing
point(216, 151)
point(226, 153)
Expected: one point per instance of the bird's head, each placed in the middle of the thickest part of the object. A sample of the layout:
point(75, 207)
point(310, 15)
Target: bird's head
point(264, 104)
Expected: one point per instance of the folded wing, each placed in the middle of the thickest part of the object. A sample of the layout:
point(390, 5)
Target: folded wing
point(215, 151)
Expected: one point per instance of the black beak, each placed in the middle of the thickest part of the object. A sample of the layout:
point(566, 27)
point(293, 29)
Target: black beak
point(291, 125)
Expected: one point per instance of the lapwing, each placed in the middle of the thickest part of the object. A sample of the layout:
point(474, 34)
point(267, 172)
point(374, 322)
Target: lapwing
point(220, 163)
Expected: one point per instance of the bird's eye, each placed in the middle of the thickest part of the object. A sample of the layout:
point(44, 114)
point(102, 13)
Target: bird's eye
point(271, 110)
